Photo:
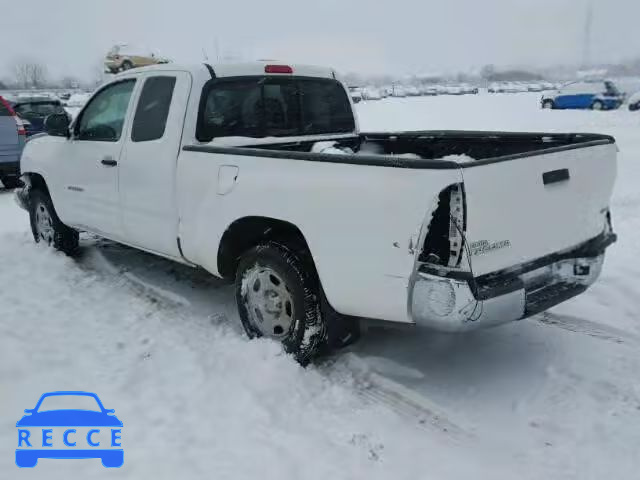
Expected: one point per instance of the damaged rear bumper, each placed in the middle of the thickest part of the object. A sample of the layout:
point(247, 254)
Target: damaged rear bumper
point(455, 302)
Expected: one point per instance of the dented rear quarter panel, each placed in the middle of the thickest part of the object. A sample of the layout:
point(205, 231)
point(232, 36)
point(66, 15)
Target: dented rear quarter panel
point(361, 222)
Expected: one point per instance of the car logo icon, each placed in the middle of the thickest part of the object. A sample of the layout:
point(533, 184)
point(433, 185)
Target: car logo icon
point(67, 433)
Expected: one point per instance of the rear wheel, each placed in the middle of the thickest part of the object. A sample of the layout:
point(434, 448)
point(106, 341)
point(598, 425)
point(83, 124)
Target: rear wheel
point(126, 65)
point(279, 297)
point(548, 104)
point(47, 227)
point(597, 105)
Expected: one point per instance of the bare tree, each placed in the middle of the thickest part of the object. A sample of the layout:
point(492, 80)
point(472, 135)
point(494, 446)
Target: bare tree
point(30, 74)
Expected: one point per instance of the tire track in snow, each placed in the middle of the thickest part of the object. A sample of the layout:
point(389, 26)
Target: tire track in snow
point(371, 386)
point(587, 327)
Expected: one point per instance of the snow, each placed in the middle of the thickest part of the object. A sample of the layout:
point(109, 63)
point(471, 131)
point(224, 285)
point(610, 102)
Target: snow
point(555, 397)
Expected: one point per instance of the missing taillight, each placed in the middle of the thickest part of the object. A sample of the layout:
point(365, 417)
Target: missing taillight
point(444, 242)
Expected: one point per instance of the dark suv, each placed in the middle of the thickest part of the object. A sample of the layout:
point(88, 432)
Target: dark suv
point(34, 111)
point(12, 139)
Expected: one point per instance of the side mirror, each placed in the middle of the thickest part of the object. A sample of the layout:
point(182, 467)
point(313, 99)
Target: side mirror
point(57, 125)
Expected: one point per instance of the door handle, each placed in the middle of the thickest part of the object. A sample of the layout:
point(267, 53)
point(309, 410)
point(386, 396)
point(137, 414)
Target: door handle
point(108, 162)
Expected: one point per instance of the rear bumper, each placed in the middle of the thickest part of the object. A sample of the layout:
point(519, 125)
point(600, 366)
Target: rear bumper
point(462, 304)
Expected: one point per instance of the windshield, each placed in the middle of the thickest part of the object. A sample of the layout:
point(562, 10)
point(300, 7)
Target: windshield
point(611, 88)
point(69, 402)
point(38, 109)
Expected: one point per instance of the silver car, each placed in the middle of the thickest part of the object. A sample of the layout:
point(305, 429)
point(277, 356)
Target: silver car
point(12, 139)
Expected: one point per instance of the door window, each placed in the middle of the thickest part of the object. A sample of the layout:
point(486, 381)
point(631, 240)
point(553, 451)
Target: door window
point(153, 109)
point(103, 118)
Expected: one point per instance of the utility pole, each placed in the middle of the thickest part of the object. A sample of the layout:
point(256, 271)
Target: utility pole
point(586, 60)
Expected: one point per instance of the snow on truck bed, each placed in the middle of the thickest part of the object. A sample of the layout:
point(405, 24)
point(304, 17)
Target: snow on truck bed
point(554, 397)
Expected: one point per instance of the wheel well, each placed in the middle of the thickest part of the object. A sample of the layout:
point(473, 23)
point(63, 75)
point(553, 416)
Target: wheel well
point(248, 232)
point(37, 182)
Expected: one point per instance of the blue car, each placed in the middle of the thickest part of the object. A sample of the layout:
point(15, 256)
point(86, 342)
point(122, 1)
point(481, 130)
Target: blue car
point(601, 95)
point(36, 430)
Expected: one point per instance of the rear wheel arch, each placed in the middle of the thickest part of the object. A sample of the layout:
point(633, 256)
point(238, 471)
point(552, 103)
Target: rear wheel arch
point(247, 232)
point(36, 182)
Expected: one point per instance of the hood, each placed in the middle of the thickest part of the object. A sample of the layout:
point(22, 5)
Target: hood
point(69, 418)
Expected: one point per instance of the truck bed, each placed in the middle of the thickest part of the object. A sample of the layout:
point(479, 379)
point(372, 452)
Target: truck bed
point(430, 146)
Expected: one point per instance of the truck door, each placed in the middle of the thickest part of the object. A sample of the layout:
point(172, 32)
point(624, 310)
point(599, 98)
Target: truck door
point(90, 161)
point(148, 168)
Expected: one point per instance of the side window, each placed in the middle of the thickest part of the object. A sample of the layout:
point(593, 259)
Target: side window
point(231, 109)
point(103, 118)
point(153, 109)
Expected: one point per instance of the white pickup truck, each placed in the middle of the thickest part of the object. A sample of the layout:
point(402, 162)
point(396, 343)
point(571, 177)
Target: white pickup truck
point(222, 168)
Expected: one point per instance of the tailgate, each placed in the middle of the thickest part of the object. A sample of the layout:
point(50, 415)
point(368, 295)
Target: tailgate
point(524, 208)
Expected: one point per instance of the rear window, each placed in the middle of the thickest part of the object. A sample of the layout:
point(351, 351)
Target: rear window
point(38, 109)
point(273, 107)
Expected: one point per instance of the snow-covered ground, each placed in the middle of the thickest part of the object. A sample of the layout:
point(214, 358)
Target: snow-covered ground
point(555, 397)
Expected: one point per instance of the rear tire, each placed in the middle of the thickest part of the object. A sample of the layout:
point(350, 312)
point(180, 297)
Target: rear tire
point(548, 104)
point(47, 227)
point(279, 296)
point(126, 65)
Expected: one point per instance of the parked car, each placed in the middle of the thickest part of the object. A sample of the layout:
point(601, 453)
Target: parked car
point(429, 90)
point(412, 91)
point(634, 102)
point(13, 136)
point(124, 57)
point(371, 93)
point(356, 94)
point(469, 89)
point(585, 95)
point(34, 110)
point(200, 165)
point(454, 90)
point(399, 91)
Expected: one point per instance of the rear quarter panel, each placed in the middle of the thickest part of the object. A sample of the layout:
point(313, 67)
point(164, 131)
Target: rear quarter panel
point(360, 221)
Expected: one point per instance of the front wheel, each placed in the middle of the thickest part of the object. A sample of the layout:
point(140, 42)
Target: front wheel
point(47, 227)
point(547, 104)
point(278, 296)
point(597, 105)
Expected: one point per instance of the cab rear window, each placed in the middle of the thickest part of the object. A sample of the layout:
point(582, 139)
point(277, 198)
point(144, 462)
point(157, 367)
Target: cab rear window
point(273, 107)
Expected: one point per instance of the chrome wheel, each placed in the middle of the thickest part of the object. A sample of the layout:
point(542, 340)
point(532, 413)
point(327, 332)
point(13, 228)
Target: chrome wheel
point(268, 302)
point(44, 224)
point(597, 106)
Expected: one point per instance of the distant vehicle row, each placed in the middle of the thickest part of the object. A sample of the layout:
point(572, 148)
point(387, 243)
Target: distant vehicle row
point(376, 93)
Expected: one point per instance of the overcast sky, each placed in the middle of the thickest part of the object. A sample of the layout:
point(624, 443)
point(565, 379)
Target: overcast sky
point(370, 36)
